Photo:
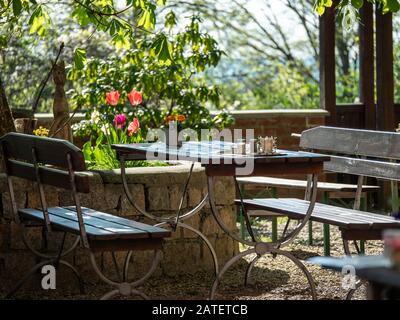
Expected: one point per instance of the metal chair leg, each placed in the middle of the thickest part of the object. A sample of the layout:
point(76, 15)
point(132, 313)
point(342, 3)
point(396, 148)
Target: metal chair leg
point(227, 265)
point(302, 267)
point(273, 251)
point(114, 293)
point(81, 283)
point(37, 267)
point(30, 273)
point(202, 236)
point(125, 288)
point(249, 269)
point(114, 259)
point(128, 258)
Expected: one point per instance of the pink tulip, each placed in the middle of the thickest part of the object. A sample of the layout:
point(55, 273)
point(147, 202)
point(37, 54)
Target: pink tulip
point(135, 97)
point(133, 127)
point(112, 97)
point(119, 121)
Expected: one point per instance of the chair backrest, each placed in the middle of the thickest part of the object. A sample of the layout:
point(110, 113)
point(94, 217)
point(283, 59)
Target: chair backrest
point(28, 156)
point(353, 151)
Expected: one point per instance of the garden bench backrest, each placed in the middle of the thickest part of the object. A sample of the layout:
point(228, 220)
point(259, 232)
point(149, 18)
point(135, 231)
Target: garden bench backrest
point(354, 151)
point(29, 157)
point(46, 161)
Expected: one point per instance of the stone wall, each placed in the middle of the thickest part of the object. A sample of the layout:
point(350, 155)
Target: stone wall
point(155, 188)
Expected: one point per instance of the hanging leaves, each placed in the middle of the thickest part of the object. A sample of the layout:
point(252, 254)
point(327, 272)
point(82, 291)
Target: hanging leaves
point(390, 6)
point(79, 58)
point(17, 7)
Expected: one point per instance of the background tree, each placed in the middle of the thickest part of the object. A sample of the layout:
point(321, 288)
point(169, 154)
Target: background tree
point(103, 16)
point(263, 54)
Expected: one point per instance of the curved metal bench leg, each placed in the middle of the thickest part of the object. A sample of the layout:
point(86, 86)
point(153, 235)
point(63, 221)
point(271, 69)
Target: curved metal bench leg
point(126, 265)
point(81, 283)
point(116, 292)
point(302, 267)
point(30, 273)
point(227, 265)
point(110, 294)
point(208, 243)
point(38, 266)
point(125, 288)
point(156, 260)
point(41, 255)
point(249, 269)
point(203, 237)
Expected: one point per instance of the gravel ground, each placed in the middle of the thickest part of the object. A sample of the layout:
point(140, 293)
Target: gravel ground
point(272, 278)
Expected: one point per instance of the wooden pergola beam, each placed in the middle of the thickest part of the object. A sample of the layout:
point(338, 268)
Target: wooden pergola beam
point(366, 72)
point(384, 71)
point(327, 64)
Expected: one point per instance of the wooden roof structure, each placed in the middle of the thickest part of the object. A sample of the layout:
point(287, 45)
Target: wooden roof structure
point(373, 112)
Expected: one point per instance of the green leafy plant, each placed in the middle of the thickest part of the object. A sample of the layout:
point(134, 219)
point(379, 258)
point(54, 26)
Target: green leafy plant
point(168, 87)
point(100, 155)
point(349, 8)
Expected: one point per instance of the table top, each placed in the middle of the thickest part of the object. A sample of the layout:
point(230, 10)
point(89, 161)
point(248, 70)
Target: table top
point(377, 269)
point(210, 152)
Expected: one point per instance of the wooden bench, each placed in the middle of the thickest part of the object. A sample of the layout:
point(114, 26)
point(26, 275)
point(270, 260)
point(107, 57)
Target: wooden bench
point(60, 164)
point(330, 190)
point(358, 152)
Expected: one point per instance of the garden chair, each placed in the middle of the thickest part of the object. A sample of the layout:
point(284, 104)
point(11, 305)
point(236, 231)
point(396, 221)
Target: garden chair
point(59, 163)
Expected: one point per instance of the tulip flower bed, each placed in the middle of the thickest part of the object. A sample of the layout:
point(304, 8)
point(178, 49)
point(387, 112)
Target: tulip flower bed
point(98, 153)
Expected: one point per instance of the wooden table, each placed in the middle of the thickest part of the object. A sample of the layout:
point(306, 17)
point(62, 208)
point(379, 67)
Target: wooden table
point(218, 160)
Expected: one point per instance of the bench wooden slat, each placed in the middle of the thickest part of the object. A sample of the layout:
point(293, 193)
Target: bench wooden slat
point(68, 225)
point(118, 229)
point(367, 143)
point(356, 215)
point(48, 150)
point(342, 217)
point(370, 168)
point(154, 232)
point(49, 176)
point(288, 210)
point(96, 228)
point(302, 184)
point(339, 217)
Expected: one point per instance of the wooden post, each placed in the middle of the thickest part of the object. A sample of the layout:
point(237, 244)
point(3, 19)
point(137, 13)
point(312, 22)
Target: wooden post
point(384, 71)
point(6, 118)
point(327, 64)
point(384, 87)
point(367, 97)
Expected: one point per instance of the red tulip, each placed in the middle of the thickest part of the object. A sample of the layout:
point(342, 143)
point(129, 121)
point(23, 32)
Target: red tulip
point(135, 97)
point(119, 121)
point(112, 97)
point(133, 127)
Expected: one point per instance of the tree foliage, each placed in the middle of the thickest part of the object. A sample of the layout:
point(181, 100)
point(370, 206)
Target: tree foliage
point(385, 5)
point(172, 85)
point(266, 65)
point(103, 15)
